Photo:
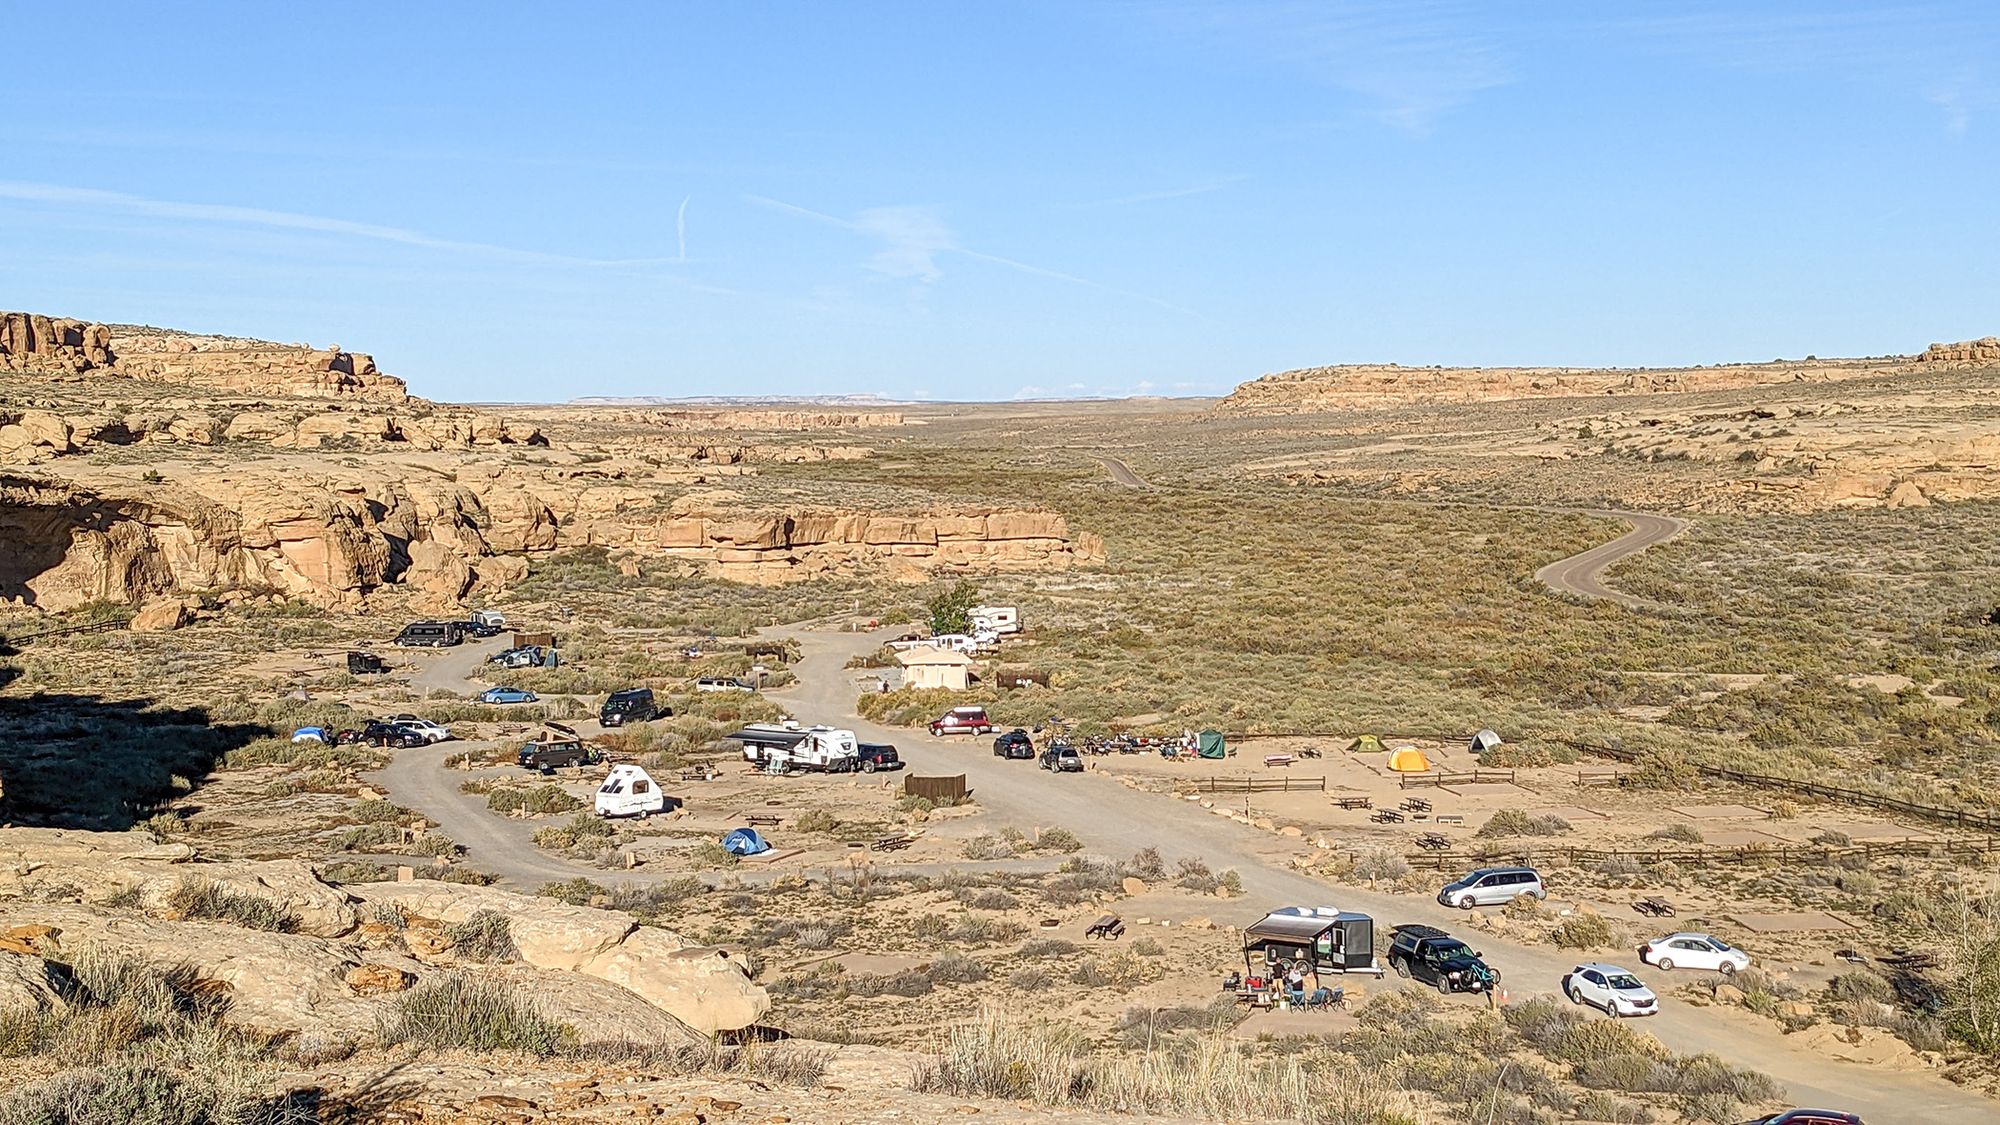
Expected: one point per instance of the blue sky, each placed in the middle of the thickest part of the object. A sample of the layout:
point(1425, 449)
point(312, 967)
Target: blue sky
point(957, 201)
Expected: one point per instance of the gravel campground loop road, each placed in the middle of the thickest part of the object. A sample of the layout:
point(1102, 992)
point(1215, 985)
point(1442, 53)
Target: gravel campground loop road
point(1114, 821)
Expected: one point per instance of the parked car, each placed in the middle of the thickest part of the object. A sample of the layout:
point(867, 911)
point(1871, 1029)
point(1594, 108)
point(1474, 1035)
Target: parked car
point(552, 755)
point(1062, 759)
point(392, 733)
point(1611, 988)
point(365, 664)
point(721, 683)
point(1434, 957)
point(526, 656)
point(1015, 744)
point(431, 634)
point(507, 695)
point(1694, 951)
point(485, 623)
point(431, 732)
point(1808, 1117)
point(1492, 886)
point(633, 705)
point(962, 720)
point(872, 756)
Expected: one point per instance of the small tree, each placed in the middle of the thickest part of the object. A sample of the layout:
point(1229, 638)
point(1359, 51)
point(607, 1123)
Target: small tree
point(1968, 934)
point(951, 611)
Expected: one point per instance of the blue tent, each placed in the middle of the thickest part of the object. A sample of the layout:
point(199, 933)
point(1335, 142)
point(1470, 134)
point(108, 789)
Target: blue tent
point(744, 841)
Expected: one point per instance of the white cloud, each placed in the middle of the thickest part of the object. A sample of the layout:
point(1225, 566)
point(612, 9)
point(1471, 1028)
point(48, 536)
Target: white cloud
point(912, 237)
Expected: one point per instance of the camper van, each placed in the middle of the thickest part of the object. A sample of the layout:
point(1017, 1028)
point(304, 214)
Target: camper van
point(431, 634)
point(1315, 939)
point(629, 791)
point(785, 747)
point(999, 620)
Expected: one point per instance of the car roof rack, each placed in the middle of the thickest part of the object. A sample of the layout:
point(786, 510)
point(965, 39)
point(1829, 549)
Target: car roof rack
point(1418, 930)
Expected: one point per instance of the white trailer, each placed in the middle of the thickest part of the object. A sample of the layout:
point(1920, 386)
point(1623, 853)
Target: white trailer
point(786, 747)
point(1000, 620)
point(629, 791)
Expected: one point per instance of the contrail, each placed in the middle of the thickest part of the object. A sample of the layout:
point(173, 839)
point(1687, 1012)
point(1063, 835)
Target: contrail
point(681, 227)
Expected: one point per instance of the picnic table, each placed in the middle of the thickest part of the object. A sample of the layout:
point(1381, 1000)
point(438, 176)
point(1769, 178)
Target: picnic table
point(1354, 802)
point(1450, 819)
point(1416, 804)
point(1387, 816)
point(895, 843)
point(1654, 907)
point(1308, 751)
point(1277, 760)
point(1434, 841)
point(1106, 928)
point(763, 820)
point(697, 773)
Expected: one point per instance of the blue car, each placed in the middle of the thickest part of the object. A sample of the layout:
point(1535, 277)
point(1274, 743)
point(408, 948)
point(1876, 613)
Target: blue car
point(506, 695)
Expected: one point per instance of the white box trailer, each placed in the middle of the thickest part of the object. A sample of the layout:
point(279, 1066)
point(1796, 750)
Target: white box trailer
point(1000, 620)
point(786, 747)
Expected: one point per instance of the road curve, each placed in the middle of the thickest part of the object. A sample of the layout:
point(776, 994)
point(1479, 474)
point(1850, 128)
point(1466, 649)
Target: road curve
point(1122, 474)
point(1582, 573)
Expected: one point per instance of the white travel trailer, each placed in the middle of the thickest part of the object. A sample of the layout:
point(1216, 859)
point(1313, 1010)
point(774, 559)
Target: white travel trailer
point(784, 747)
point(999, 620)
point(629, 791)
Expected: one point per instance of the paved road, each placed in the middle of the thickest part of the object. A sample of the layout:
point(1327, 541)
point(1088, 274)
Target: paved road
point(1122, 474)
point(1582, 573)
point(1115, 821)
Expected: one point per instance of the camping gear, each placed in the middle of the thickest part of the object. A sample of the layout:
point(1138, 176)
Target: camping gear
point(309, 734)
point(1366, 744)
point(1483, 741)
point(1409, 759)
point(630, 791)
point(744, 841)
point(1210, 745)
point(1314, 939)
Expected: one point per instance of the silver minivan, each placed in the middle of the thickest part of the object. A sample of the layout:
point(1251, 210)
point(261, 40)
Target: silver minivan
point(1492, 886)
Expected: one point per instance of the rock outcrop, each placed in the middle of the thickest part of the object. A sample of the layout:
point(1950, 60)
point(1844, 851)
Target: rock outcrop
point(1970, 352)
point(35, 344)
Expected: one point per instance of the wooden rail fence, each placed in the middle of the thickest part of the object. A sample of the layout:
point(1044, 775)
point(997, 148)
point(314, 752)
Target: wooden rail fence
point(1955, 818)
point(1558, 855)
point(1250, 785)
point(1441, 780)
point(89, 627)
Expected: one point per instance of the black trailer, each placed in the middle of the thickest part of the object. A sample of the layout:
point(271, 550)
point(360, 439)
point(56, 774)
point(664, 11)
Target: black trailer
point(1319, 941)
point(365, 664)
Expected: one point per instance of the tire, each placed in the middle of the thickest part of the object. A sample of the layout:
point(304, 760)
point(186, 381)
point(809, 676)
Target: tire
point(868, 766)
point(1727, 968)
point(1444, 986)
point(1465, 902)
point(1402, 968)
point(1539, 896)
point(1666, 964)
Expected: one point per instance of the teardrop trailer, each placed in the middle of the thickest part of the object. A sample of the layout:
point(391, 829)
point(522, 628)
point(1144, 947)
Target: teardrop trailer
point(629, 791)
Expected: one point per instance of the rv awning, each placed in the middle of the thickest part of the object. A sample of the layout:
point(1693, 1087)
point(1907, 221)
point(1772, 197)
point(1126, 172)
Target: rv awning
point(1298, 928)
point(784, 738)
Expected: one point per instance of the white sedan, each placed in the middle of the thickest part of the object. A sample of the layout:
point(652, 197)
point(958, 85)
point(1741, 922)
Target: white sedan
point(1611, 988)
point(1694, 951)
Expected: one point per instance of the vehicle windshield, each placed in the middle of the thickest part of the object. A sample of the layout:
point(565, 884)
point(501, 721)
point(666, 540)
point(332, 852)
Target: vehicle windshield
point(1446, 950)
point(1720, 945)
point(1625, 981)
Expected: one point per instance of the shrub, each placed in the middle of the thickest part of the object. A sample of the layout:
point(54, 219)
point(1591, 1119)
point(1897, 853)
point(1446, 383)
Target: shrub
point(711, 854)
point(486, 936)
point(541, 799)
point(955, 968)
point(1582, 931)
point(1514, 822)
point(992, 898)
point(1146, 864)
point(1683, 833)
point(368, 837)
point(816, 820)
point(1049, 947)
point(909, 982)
point(1619, 867)
point(576, 892)
point(1057, 840)
point(377, 812)
point(1860, 984)
point(987, 846)
point(475, 1015)
point(1380, 864)
point(1030, 980)
point(1147, 947)
point(195, 897)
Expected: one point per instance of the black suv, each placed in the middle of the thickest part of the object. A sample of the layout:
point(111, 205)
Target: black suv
point(872, 756)
point(633, 705)
point(380, 732)
point(1014, 744)
point(549, 756)
point(1436, 958)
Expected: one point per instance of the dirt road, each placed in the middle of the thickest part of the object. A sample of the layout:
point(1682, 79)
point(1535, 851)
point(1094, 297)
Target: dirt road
point(453, 670)
point(1115, 821)
point(1582, 573)
point(1122, 474)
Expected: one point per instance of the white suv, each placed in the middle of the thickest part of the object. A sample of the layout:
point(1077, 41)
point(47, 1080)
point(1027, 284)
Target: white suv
point(427, 730)
point(1694, 951)
point(1611, 988)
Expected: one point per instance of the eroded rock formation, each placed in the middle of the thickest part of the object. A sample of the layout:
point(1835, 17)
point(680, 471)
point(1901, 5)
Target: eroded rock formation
point(34, 344)
point(31, 342)
point(1972, 352)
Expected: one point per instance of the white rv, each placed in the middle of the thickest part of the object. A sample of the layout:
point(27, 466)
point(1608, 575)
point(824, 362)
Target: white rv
point(999, 620)
point(629, 791)
point(784, 747)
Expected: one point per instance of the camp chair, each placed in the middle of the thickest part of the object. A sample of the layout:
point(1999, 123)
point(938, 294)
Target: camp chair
point(1324, 999)
point(1297, 996)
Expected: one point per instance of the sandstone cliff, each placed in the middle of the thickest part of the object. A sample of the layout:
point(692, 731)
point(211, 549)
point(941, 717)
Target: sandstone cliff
point(1367, 386)
point(35, 344)
point(1970, 352)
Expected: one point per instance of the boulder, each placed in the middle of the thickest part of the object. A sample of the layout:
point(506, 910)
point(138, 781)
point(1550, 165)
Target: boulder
point(703, 988)
point(377, 980)
point(25, 984)
point(160, 616)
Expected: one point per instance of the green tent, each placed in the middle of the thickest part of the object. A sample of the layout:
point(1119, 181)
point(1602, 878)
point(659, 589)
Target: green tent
point(1210, 744)
point(1366, 744)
